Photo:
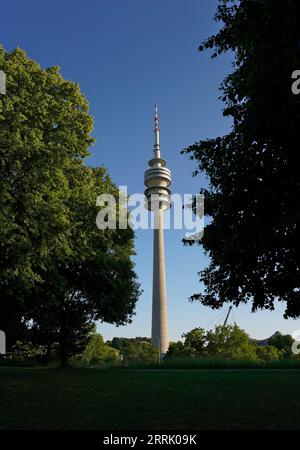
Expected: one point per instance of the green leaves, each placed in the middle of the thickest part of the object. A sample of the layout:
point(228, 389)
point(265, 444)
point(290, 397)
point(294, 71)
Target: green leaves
point(253, 199)
point(97, 351)
point(51, 250)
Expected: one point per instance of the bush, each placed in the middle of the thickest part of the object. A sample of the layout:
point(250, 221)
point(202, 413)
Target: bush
point(26, 353)
point(97, 353)
point(230, 342)
point(282, 342)
point(180, 350)
point(136, 352)
point(195, 339)
point(268, 353)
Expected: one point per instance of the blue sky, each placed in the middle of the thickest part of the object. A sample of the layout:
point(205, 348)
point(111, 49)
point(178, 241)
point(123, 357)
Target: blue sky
point(127, 55)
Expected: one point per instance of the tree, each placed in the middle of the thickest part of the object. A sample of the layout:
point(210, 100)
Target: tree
point(121, 343)
point(55, 263)
point(118, 343)
point(44, 330)
point(230, 342)
point(253, 200)
point(180, 350)
point(268, 353)
point(97, 351)
point(195, 339)
point(282, 342)
point(137, 351)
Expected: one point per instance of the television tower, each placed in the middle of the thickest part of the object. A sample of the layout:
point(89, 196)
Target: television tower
point(157, 182)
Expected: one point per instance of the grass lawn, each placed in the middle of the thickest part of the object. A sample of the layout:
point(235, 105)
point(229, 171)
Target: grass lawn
point(146, 399)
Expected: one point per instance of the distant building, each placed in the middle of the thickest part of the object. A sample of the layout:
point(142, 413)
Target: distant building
point(264, 342)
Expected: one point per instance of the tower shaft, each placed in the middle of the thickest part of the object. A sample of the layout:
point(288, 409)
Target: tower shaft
point(159, 335)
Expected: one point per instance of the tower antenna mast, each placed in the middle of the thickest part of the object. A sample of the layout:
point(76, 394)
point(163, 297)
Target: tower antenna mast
point(227, 316)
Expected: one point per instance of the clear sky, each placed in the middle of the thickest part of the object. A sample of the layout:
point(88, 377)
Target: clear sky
point(126, 55)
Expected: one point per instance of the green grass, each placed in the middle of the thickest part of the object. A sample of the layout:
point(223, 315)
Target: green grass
point(32, 398)
point(212, 363)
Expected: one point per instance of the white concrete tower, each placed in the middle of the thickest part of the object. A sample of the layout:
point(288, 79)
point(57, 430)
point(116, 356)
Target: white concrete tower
point(157, 182)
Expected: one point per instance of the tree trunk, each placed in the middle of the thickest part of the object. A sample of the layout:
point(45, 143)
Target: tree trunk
point(47, 355)
point(63, 339)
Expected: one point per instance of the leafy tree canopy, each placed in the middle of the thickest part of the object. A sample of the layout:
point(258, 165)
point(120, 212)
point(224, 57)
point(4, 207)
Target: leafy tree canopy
point(253, 200)
point(97, 351)
point(268, 353)
point(58, 271)
point(137, 351)
point(224, 342)
point(180, 350)
point(230, 342)
point(282, 342)
point(195, 338)
point(121, 342)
